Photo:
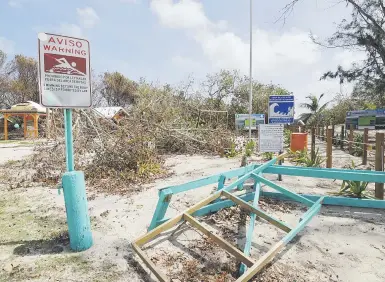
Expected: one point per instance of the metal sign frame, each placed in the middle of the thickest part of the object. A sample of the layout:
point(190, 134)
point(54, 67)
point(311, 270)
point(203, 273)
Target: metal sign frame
point(70, 41)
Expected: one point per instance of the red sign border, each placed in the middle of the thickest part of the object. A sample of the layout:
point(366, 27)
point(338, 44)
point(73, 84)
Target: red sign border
point(89, 74)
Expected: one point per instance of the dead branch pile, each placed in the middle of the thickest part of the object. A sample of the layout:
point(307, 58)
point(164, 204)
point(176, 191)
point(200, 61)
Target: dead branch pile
point(115, 156)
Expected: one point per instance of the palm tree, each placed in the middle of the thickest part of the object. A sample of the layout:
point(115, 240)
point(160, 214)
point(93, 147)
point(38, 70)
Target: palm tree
point(315, 108)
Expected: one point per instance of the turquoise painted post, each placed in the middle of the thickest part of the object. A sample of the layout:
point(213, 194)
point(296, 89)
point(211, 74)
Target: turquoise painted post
point(78, 220)
point(221, 182)
point(250, 231)
point(161, 208)
point(69, 139)
point(75, 198)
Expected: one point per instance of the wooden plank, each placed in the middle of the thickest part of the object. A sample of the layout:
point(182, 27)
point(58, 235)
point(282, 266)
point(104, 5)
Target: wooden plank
point(221, 242)
point(5, 117)
point(342, 137)
point(287, 192)
point(257, 211)
point(312, 148)
point(150, 264)
point(329, 148)
point(258, 266)
point(216, 206)
point(365, 147)
point(265, 259)
point(167, 225)
point(351, 138)
point(379, 164)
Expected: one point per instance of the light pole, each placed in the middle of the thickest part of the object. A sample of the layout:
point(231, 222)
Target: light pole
point(251, 68)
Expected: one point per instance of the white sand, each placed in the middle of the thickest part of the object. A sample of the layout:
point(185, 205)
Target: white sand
point(341, 244)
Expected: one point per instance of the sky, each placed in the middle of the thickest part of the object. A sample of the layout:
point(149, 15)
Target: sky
point(169, 40)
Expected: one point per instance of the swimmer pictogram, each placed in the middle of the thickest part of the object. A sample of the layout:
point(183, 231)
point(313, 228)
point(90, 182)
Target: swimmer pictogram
point(61, 64)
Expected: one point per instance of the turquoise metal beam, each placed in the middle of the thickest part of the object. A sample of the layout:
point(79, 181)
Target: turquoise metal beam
point(328, 201)
point(209, 180)
point(249, 174)
point(328, 173)
point(221, 182)
point(316, 204)
point(340, 174)
point(289, 236)
point(250, 230)
point(284, 191)
point(333, 201)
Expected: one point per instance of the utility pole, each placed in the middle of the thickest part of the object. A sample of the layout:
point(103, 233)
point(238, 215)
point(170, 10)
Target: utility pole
point(251, 67)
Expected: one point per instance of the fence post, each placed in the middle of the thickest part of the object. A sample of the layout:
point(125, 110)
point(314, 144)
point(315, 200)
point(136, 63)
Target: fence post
point(379, 166)
point(329, 148)
point(313, 144)
point(280, 163)
point(351, 139)
point(342, 139)
point(365, 147)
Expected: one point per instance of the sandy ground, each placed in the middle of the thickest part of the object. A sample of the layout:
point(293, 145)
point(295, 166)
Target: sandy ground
point(340, 244)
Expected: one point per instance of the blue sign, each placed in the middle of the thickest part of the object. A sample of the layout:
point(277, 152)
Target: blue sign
point(281, 109)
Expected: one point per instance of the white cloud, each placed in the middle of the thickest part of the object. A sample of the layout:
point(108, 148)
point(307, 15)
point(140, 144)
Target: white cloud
point(346, 57)
point(130, 1)
point(185, 14)
point(87, 17)
point(185, 62)
point(225, 49)
point(69, 30)
point(7, 46)
point(288, 58)
point(15, 3)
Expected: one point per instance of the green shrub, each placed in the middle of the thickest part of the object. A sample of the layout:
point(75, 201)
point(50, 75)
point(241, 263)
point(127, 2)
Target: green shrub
point(267, 156)
point(353, 188)
point(357, 148)
point(286, 137)
point(304, 159)
point(232, 153)
point(250, 147)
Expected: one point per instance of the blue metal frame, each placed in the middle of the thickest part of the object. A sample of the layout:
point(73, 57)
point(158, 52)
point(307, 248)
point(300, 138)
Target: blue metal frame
point(339, 174)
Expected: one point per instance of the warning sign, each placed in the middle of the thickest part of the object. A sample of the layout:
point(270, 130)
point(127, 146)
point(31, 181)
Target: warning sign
point(64, 71)
point(270, 138)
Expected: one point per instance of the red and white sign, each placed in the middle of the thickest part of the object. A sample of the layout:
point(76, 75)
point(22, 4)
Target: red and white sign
point(64, 71)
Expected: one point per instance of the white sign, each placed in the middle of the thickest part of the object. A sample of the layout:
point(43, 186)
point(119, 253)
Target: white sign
point(64, 71)
point(270, 138)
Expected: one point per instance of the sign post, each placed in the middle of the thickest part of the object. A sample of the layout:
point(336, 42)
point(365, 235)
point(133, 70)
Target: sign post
point(65, 82)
